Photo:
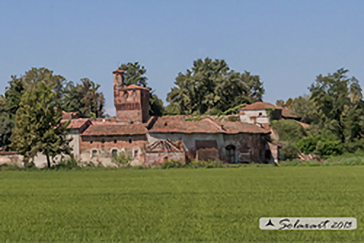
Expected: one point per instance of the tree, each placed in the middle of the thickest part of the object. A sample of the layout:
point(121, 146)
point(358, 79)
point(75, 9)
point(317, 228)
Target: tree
point(211, 86)
point(135, 74)
point(5, 125)
point(288, 130)
point(38, 126)
point(303, 107)
point(13, 94)
point(338, 99)
point(84, 98)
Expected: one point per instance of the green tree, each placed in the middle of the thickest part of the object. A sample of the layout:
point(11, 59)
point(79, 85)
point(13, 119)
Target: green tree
point(38, 126)
point(5, 125)
point(338, 100)
point(136, 74)
point(288, 130)
point(15, 90)
point(211, 86)
point(84, 98)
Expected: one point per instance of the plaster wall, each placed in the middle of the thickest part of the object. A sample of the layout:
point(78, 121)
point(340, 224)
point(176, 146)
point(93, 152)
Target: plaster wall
point(254, 116)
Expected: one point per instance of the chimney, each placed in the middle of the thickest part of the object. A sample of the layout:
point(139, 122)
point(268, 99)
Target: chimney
point(119, 77)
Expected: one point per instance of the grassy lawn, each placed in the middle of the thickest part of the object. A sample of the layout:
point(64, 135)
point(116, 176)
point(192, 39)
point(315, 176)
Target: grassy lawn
point(177, 204)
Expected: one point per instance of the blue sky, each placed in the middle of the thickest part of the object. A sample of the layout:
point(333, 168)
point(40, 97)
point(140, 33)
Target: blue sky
point(286, 42)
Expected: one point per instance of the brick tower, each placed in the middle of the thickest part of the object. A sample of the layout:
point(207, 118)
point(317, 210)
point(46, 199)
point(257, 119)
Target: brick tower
point(131, 102)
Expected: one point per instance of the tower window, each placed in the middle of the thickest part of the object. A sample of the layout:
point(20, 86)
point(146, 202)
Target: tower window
point(91, 142)
point(115, 141)
point(103, 140)
point(130, 140)
point(126, 94)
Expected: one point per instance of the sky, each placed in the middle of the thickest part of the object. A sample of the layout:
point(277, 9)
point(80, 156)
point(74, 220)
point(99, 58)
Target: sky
point(286, 42)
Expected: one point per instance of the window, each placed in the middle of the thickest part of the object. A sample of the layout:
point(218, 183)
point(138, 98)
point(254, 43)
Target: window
point(94, 153)
point(103, 140)
point(135, 153)
point(260, 113)
point(114, 153)
point(115, 141)
point(230, 153)
point(130, 140)
point(126, 94)
point(134, 93)
point(91, 142)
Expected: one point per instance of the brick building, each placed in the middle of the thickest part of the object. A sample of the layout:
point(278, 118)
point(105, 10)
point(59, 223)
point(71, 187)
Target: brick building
point(151, 140)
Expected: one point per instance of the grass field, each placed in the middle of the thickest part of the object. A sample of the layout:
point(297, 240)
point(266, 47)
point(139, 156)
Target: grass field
point(177, 204)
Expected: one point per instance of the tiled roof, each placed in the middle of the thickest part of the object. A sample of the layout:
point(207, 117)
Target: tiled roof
point(134, 86)
point(70, 115)
point(259, 106)
point(76, 123)
point(287, 113)
point(178, 124)
point(242, 127)
point(113, 129)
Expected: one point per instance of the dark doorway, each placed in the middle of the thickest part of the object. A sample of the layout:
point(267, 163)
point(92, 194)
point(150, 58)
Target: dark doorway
point(230, 154)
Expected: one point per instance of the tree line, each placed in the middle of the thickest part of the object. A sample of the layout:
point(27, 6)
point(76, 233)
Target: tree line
point(31, 107)
point(334, 109)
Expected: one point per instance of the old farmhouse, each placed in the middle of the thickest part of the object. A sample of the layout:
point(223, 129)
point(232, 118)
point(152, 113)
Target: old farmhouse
point(153, 140)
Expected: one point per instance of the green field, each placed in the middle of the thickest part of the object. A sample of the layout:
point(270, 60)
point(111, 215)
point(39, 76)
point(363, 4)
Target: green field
point(177, 204)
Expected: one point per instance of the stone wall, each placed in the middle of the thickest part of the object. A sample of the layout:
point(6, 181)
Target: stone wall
point(158, 158)
point(11, 158)
point(100, 148)
point(248, 147)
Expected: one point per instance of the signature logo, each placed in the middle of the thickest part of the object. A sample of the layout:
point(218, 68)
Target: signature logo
point(304, 223)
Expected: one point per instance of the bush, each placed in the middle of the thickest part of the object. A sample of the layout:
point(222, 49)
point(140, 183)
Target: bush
point(288, 130)
point(67, 163)
point(289, 151)
point(319, 145)
point(307, 145)
point(122, 159)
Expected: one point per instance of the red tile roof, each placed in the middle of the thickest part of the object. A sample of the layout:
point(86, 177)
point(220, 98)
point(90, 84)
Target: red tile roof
point(70, 115)
point(178, 124)
point(76, 123)
point(241, 127)
point(134, 86)
point(259, 106)
point(287, 113)
point(114, 129)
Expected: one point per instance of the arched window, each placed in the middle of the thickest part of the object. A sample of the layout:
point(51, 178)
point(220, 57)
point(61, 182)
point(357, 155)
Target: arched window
point(230, 153)
point(94, 153)
point(114, 153)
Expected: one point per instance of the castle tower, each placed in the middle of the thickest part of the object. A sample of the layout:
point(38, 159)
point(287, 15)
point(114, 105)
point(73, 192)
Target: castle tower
point(131, 102)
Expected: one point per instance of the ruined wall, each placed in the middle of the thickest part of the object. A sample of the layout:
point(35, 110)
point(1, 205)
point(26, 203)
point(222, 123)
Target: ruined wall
point(254, 116)
point(100, 149)
point(258, 116)
point(248, 147)
point(11, 158)
point(158, 158)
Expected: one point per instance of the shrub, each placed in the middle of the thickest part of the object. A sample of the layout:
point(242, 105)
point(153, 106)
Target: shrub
point(288, 130)
point(289, 151)
point(122, 159)
point(67, 163)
